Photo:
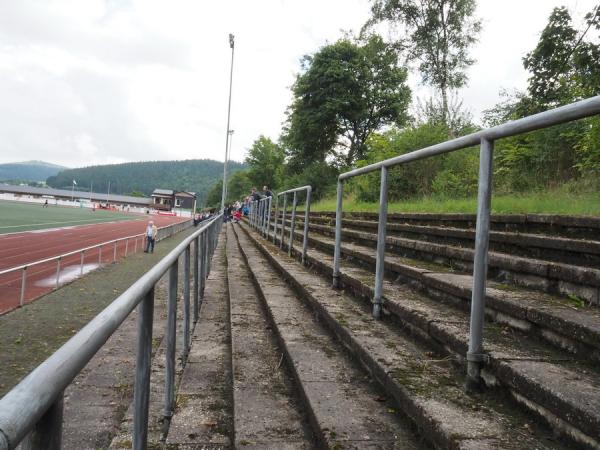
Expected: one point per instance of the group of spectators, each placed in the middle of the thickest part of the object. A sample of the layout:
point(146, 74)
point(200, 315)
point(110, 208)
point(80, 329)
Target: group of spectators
point(235, 211)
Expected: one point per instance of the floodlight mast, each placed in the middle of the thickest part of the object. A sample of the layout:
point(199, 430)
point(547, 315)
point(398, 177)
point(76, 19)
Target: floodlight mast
point(230, 132)
point(231, 45)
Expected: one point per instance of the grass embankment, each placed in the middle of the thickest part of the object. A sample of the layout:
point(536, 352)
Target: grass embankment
point(551, 202)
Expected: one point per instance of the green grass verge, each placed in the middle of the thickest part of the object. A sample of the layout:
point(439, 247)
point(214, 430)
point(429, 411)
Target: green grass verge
point(581, 204)
point(16, 216)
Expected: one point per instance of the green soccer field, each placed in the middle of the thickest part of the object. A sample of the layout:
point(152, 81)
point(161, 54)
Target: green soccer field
point(16, 216)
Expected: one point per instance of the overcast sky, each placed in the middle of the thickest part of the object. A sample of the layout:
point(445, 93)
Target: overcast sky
point(87, 82)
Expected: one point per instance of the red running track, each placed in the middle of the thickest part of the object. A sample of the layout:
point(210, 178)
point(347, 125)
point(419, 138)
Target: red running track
point(23, 248)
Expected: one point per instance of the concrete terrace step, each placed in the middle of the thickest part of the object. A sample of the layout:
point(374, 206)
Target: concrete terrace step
point(426, 386)
point(547, 276)
point(200, 417)
point(203, 415)
point(582, 227)
point(345, 408)
point(583, 252)
point(551, 318)
point(267, 413)
point(564, 392)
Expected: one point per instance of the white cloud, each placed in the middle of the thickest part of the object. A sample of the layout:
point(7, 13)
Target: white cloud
point(85, 82)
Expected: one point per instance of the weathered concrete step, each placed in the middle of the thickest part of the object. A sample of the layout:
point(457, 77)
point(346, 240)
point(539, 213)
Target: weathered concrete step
point(267, 412)
point(553, 318)
point(566, 393)
point(203, 415)
point(345, 408)
point(584, 227)
point(547, 276)
point(157, 424)
point(424, 385)
point(581, 252)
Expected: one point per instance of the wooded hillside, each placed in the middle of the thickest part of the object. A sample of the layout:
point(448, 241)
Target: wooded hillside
point(141, 178)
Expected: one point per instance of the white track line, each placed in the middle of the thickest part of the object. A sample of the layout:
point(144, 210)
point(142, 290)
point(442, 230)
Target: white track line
point(93, 222)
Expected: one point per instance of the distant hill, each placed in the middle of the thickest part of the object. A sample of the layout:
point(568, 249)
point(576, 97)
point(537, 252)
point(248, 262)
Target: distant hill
point(28, 171)
point(195, 175)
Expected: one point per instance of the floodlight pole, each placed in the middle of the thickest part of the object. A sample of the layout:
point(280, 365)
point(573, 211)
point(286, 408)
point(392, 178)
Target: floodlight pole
point(231, 45)
point(227, 159)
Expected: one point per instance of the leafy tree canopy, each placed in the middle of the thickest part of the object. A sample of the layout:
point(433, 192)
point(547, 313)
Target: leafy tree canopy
point(265, 161)
point(564, 66)
point(436, 34)
point(346, 91)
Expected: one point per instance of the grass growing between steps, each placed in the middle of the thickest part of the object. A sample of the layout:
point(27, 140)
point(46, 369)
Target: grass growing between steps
point(557, 201)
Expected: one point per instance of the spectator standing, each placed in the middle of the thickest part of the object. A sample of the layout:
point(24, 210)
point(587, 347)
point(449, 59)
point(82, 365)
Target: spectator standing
point(151, 232)
point(254, 196)
point(267, 192)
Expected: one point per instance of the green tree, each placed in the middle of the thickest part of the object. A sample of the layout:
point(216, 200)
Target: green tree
point(265, 161)
point(213, 198)
point(564, 66)
point(345, 92)
point(437, 35)
point(238, 186)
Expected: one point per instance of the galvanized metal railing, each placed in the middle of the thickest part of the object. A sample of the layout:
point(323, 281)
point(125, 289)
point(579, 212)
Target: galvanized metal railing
point(33, 410)
point(162, 233)
point(260, 214)
point(484, 138)
point(294, 191)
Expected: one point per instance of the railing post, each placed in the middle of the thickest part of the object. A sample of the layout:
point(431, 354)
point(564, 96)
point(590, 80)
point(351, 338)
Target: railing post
point(202, 265)
point(126, 246)
point(292, 224)
point(276, 219)
point(338, 234)
point(381, 236)
point(195, 304)
point(283, 220)
point(263, 209)
point(171, 341)
point(135, 245)
point(47, 432)
point(81, 263)
point(57, 271)
point(306, 219)
point(141, 394)
point(267, 228)
point(23, 284)
point(186, 301)
point(475, 355)
point(209, 244)
point(115, 252)
point(100, 255)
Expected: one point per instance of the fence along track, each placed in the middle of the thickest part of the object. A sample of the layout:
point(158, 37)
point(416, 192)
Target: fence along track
point(32, 411)
point(112, 253)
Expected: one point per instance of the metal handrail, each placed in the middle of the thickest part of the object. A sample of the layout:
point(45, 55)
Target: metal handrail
point(24, 267)
point(33, 408)
point(259, 218)
point(485, 138)
point(295, 191)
